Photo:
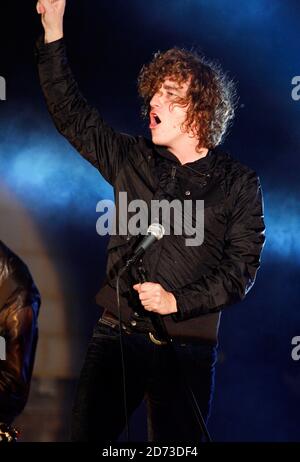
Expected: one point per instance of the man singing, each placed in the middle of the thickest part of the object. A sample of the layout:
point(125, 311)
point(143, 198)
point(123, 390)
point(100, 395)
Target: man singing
point(189, 103)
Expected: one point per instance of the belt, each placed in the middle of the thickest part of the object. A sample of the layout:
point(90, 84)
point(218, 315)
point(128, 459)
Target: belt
point(156, 341)
point(130, 329)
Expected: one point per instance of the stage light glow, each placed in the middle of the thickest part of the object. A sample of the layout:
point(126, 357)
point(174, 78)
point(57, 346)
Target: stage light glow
point(49, 176)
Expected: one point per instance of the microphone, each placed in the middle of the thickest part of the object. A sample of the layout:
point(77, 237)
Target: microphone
point(154, 233)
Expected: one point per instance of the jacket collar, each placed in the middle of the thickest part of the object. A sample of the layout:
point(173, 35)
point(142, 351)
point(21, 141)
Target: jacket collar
point(203, 164)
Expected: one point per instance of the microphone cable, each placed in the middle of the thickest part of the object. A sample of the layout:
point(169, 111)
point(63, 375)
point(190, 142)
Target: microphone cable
point(121, 271)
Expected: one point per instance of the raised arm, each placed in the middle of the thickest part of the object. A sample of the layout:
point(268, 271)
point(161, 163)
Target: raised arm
point(73, 117)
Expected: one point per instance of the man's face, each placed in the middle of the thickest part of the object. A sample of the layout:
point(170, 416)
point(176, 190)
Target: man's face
point(166, 119)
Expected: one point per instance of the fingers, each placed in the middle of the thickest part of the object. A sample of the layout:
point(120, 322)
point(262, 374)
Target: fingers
point(148, 308)
point(145, 286)
point(40, 8)
point(147, 290)
point(42, 5)
point(46, 4)
point(149, 295)
point(146, 299)
point(149, 300)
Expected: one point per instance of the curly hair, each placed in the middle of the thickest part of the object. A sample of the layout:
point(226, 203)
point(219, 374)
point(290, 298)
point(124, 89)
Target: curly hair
point(211, 95)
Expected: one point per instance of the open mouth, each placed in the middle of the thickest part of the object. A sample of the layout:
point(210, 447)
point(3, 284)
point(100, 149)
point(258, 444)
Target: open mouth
point(154, 120)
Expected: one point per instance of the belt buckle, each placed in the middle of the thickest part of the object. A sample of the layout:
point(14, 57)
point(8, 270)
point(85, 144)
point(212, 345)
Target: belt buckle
point(155, 340)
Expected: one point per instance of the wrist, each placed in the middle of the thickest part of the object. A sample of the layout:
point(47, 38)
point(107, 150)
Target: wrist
point(173, 303)
point(52, 36)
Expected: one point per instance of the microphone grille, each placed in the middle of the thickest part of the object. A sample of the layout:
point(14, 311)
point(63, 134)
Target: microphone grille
point(157, 230)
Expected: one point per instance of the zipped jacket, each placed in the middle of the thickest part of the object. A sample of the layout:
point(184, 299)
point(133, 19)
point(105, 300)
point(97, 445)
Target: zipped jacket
point(203, 278)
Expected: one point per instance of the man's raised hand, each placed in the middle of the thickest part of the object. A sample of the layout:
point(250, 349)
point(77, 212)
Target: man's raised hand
point(52, 14)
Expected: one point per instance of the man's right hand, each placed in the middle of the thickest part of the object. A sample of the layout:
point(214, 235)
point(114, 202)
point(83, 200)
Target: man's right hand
point(52, 14)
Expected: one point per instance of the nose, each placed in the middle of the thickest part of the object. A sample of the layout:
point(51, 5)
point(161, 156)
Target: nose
point(156, 99)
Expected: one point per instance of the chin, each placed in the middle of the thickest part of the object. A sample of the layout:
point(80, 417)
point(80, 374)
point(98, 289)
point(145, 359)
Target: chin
point(158, 140)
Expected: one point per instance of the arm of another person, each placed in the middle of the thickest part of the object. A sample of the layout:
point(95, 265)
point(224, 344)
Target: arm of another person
point(16, 369)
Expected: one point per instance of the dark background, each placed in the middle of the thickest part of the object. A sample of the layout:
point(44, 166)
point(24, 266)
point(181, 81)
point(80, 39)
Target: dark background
point(257, 394)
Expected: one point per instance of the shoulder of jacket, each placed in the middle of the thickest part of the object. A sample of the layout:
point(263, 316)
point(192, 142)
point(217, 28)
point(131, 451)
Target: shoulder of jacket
point(142, 149)
point(236, 169)
point(130, 139)
point(145, 144)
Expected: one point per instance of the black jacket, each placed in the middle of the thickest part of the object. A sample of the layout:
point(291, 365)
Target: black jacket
point(204, 278)
point(19, 307)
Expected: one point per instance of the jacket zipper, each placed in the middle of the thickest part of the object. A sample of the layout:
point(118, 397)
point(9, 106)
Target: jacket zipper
point(173, 172)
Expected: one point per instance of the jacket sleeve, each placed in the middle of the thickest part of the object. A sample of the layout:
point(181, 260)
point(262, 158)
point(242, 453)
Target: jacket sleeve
point(233, 278)
point(81, 124)
point(15, 371)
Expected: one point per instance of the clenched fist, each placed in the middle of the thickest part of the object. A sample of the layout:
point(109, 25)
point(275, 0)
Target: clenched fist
point(52, 13)
point(155, 298)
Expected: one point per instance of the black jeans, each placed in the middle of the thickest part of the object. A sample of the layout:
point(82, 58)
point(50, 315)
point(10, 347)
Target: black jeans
point(153, 373)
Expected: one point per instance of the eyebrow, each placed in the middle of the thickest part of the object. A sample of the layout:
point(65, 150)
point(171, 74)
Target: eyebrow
point(170, 87)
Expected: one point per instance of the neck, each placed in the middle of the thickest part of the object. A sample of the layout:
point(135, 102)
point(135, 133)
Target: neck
point(186, 152)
